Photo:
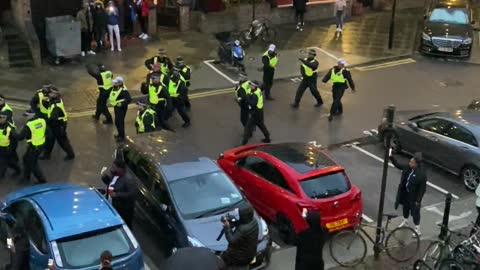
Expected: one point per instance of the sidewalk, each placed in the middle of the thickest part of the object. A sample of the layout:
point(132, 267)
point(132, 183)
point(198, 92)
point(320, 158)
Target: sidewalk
point(364, 40)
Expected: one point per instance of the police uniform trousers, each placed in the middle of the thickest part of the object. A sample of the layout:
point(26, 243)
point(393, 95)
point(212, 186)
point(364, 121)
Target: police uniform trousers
point(310, 83)
point(102, 99)
point(161, 114)
point(8, 159)
point(30, 164)
point(244, 113)
point(268, 82)
point(179, 105)
point(337, 106)
point(256, 119)
point(120, 114)
point(186, 99)
point(59, 134)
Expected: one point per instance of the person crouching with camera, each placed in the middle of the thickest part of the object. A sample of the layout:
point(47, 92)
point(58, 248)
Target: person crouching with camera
point(242, 240)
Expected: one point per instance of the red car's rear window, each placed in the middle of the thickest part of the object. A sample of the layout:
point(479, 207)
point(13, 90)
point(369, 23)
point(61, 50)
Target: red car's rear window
point(326, 186)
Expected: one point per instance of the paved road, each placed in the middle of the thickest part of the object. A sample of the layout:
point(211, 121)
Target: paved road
point(215, 127)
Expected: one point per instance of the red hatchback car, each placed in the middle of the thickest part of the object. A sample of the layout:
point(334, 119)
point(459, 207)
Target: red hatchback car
point(282, 179)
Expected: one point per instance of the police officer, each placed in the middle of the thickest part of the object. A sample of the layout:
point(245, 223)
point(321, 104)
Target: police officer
point(104, 79)
point(57, 124)
point(341, 79)
point(34, 132)
point(178, 90)
point(159, 100)
point(4, 108)
point(162, 58)
point(186, 74)
point(119, 99)
point(8, 141)
point(255, 101)
point(242, 91)
point(145, 121)
point(309, 79)
point(39, 102)
point(269, 60)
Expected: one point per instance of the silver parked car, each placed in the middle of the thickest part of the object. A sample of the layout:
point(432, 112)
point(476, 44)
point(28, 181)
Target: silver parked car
point(449, 140)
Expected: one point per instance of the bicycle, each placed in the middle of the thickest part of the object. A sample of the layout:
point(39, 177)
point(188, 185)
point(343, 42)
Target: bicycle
point(396, 243)
point(445, 264)
point(258, 28)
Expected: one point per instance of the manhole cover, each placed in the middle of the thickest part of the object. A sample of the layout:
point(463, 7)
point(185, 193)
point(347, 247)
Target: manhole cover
point(450, 83)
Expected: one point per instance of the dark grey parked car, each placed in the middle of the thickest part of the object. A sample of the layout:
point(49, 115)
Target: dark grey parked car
point(447, 139)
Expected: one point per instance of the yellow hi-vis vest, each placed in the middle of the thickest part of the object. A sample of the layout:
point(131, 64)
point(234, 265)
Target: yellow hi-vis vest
point(41, 98)
point(337, 77)
point(107, 78)
point(37, 128)
point(163, 65)
point(7, 108)
point(259, 94)
point(272, 61)
point(5, 136)
point(153, 93)
point(61, 106)
point(173, 88)
point(139, 120)
point(114, 94)
point(245, 86)
point(308, 71)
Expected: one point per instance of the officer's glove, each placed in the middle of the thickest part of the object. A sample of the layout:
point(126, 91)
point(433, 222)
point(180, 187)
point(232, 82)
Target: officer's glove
point(188, 84)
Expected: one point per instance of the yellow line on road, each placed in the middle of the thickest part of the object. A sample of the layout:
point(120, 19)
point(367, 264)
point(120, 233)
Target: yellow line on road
point(386, 65)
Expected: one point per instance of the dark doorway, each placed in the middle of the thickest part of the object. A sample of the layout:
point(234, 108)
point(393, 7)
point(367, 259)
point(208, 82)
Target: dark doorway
point(4, 8)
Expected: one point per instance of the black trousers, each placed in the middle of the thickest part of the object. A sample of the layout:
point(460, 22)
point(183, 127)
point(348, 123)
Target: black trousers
point(86, 41)
point(337, 106)
point(30, 164)
point(186, 100)
point(59, 134)
point(179, 105)
point(268, 82)
point(310, 84)
point(102, 99)
point(256, 119)
point(244, 114)
point(8, 159)
point(299, 14)
point(99, 36)
point(409, 208)
point(120, 114)
point(477, 222)
point(161, 113)
point(143, 20)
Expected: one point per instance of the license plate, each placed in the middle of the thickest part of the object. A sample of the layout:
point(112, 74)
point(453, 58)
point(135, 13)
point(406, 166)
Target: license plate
point(338, 223)
point(254, 260)
point(442, 49)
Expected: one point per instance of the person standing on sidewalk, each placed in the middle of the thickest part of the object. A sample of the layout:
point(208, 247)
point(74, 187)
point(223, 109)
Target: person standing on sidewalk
point(100, 18)
point(8, 146)
point(85, 17)
point(269, 61)
point(412, 187)
point(57, 124)
point(340, 8)
point(104, 79)
point(143, 8)
point(300, 9)
point(341, 79)
point(255, 102)
point(310, 243)
point(242, 92)
point(113, 28)
point(185, 74)
point(308, 69)
point(119, 99)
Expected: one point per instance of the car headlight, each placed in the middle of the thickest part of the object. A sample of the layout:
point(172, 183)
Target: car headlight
point(264, 227)
point(467, 41)
point(194, 242)
point(425, 36)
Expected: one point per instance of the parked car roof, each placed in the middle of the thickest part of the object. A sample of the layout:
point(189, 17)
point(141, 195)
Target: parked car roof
point(302, 157)
point(74, 210)
point(186, 169)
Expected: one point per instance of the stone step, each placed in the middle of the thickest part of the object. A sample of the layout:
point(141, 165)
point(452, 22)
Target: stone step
point(21, 63)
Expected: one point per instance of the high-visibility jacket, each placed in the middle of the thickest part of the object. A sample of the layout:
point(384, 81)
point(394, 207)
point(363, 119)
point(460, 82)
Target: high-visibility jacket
point(58, 105)
point(154, 92)
point(7, 108)
point(114, 94)
point(337, 77)
point(41, 99)
point(308, 71)
point(259, 95)
point(5, 136)
point(107, 79)
point(141, 116)
point(163, 65)
point(173, 88)
point(37, 127)
point(273, 61)
point(245, 86)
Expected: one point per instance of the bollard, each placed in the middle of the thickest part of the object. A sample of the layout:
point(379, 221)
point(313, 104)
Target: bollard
point(446, 216)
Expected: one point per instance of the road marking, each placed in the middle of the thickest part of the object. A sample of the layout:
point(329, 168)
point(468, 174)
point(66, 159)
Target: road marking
point(18, 106)
point(441, 190)
point(208, 63)
point(435, 210)
point(296, 79)
point(366, 218)
point(386, 65)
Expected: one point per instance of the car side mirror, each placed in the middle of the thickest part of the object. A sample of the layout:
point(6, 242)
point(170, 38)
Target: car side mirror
point(413, 126)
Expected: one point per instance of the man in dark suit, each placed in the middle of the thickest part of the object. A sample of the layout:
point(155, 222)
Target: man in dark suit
point(411, 189)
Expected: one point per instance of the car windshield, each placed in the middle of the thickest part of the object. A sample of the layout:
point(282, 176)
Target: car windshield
point(197, 195)
point(84, 250)
point(449, 15)
point(325, 186)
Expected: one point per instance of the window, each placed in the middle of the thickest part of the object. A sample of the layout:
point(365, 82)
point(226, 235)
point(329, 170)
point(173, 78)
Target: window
point(449, 15)
point(26, 216)
point(459, 133)
point(266, 170)
point(433, 125)
point(325, 186)
point(139, 166)
point(160, 191)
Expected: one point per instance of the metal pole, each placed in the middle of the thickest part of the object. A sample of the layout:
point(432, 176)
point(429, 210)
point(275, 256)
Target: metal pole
point(253, 10)
point(392, 26)
point(390, 114)
point(446, 217)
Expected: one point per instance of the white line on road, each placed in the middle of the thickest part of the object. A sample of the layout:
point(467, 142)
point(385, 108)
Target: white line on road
point(209, 63)
point(391, 165)
point(327, 53)
point(366, 218)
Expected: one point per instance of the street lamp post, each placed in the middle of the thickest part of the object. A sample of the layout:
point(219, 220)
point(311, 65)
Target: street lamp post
point(392, 26)
point(388, 137)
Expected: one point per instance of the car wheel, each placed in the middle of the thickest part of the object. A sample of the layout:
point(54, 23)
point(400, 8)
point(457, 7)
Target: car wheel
point(471, 177)
point(394, 142)
point(285, 227)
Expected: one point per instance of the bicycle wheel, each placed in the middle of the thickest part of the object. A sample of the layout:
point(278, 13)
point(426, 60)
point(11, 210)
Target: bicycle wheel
point(269, 35)
point(434, 253)
point(450, 264)
point(465, 256)
point(421, 265)
point(402, 244)
point(348, 248)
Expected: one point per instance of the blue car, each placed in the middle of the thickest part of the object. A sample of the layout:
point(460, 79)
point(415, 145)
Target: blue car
point(72, 225)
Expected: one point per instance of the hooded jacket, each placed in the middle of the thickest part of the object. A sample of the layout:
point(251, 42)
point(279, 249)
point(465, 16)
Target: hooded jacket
point(417, 183)
point(310, 244)
point(242, 241)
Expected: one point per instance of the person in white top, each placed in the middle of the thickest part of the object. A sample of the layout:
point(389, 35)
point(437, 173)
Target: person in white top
point(340, 8)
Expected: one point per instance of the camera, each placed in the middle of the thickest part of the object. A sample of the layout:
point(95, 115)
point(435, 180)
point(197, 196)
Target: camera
point(231, 219)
